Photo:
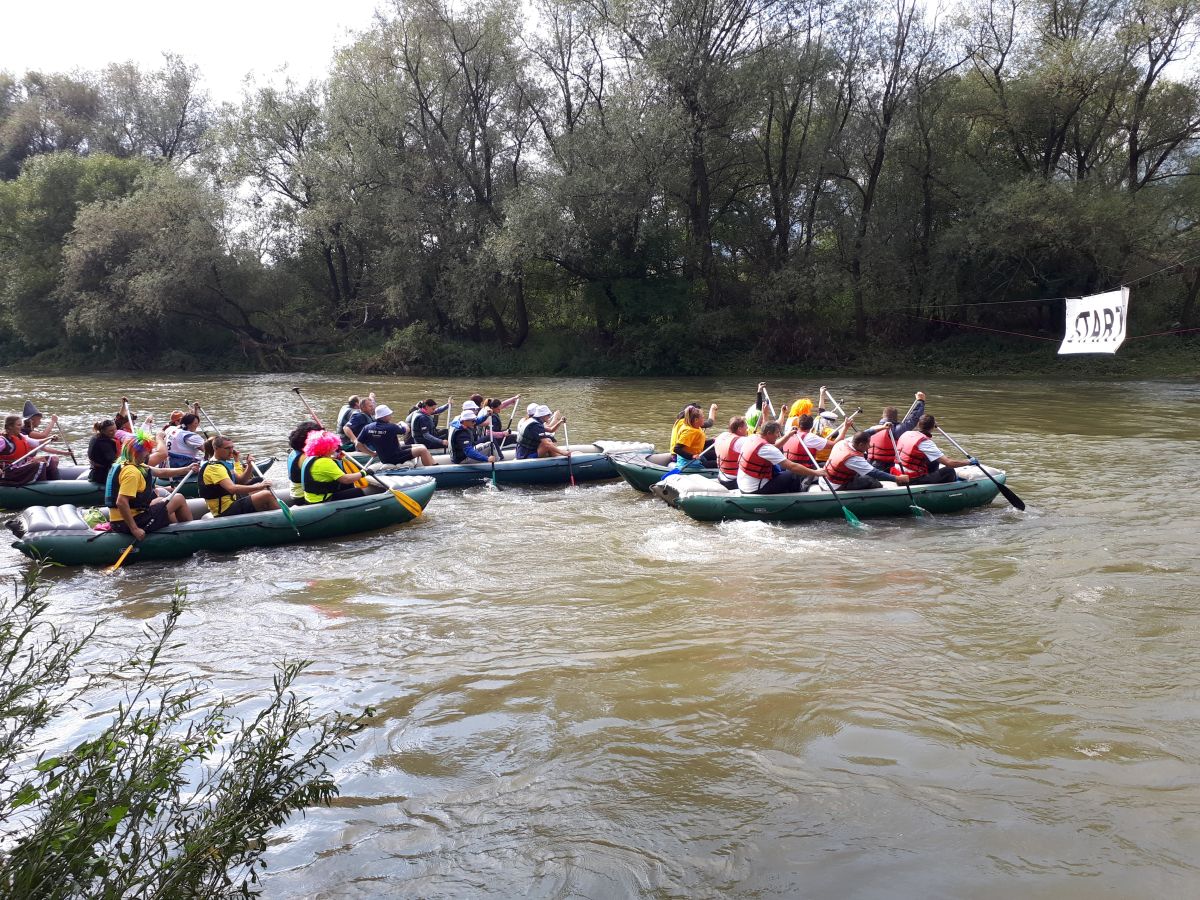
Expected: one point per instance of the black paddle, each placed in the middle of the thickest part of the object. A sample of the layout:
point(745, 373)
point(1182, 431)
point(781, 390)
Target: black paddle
point(1008, 493)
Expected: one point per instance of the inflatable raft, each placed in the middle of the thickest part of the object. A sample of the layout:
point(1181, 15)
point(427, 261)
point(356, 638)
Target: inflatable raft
point(73, 487)
point(60, 534)
point(706, 501)
point(589, 462)
point(644, 470)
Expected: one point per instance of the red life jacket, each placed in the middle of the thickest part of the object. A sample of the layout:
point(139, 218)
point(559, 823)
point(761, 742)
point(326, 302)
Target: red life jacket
point(913, 461)
point(793, 449)
point(727, 457)
point(882, 452)
point(751, 460)
point(836, 469)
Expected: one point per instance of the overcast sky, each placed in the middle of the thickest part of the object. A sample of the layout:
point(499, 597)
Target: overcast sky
point(225, 38)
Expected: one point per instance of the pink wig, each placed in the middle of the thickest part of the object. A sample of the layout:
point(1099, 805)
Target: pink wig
point(321, 443)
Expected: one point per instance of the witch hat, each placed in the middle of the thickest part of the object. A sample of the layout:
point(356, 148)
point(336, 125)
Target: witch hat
point(30, 410)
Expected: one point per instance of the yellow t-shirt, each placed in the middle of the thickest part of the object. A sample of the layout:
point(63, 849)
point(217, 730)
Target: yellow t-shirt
point(215, 473)
point(679, 423)
point(691, 438)
point(323, 469)
point(130, 483)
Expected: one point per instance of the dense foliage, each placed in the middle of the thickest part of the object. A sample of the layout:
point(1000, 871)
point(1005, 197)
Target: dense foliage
point(170, 797)
point(653, 186)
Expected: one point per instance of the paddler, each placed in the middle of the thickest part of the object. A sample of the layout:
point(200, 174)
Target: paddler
point(689, 439)
point(681, 421)
point(729, 449)
point(536, 439)
point(817, 445)
point(849, 470)
point(322, 476)
point(920, 457)
point(296, 441)
point(31, 467)
point(33, 420)
point(133, 507)
point(227, 492)
point(882, 452)
point(763, 469)
point(462, 438)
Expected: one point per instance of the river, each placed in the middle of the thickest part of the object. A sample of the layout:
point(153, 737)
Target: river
point(581, 692)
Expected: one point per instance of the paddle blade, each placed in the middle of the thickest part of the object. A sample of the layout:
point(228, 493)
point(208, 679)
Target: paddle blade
point(408, 503)
point(1010, 496)
point(287, 514)
point(120, 559)
point(854, 521)
point(921, 513)
point(350, 467)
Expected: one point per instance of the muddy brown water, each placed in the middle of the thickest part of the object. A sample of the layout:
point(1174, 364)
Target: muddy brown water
point(583, 693)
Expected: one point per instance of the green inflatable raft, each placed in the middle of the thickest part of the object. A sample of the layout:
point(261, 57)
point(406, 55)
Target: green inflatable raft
point(73, 487)
point(706, 501)
point(60, 534)
point(643, 471)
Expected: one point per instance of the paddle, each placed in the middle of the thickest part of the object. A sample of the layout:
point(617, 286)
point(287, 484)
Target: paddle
point(311, 413)
point(63, 437)
point(850, 517)
point(40, 445)
point(842, 412)
point(353, 468)
point(1008, 493)
point(917, 511)
point(508, 427)
point(567, 440)
point(129, 549)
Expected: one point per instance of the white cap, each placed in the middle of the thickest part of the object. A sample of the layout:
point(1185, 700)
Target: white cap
point(382, 411)
point(539, 411)
point(829, 416)
point(467, 414)
point(530, 408)
point(471, 404)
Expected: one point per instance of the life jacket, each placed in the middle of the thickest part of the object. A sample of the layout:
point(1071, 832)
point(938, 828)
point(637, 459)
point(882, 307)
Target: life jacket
point(528, 441)
point(215, 491)
point(882, 453)
point(293, 466)
point(312, 485)
point(793, 448)
point(836, 469)
point(727, 457)
point(21, 445)
point(141, 500)
point(457, 444)
point(751, 460)
point(913, 461)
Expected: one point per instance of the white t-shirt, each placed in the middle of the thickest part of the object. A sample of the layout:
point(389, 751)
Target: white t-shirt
point(858, 464)
point(749, 484)
point(186, 443)
point(929, 448)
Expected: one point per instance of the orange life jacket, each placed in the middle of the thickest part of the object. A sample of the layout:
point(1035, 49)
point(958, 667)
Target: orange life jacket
point(794, 450)
point(882, 453)
point(727, 457)
point(914, 462)
point(21, 445)
point(836, 469)
point(751, 460)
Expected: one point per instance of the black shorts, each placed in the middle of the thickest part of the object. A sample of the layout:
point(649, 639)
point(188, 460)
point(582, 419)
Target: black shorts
point(241, 506)
point(405, 455)
point(148, 520)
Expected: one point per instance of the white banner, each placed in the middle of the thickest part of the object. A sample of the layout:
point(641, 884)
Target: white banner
point(1096, 324)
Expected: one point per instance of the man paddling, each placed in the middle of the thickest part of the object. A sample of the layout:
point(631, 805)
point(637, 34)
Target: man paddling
point(382, 437)
point(882, 452)
point(729, 449)
point(535, 440)
point(920, 457)
point(226, 492)
point(848, 469)
point(763, 469)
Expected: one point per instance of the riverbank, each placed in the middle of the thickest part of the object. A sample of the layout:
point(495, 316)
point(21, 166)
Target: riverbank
point(1173, 356)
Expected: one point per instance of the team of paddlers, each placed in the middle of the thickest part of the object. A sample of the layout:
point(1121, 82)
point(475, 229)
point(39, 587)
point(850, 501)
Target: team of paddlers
point(128, 458)
point(763, 452)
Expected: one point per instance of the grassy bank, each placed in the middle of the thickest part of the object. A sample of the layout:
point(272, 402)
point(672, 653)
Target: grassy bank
point(568, 355)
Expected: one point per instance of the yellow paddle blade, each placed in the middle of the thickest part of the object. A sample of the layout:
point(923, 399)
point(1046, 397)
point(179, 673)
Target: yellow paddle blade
point(350, 466)
point(408, 502)
point(120, 559)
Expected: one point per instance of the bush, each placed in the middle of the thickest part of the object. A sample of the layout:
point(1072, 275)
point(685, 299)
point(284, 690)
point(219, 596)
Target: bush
point(173, 797)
